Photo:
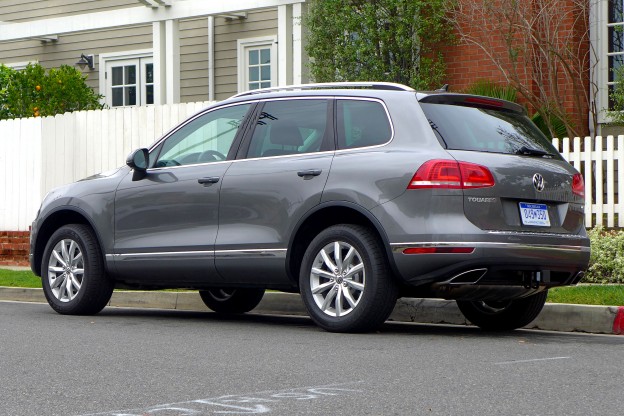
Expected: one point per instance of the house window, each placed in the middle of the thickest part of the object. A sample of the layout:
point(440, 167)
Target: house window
point(615, 52)
point(128, 79)
point(18, 66)
point(257, 63)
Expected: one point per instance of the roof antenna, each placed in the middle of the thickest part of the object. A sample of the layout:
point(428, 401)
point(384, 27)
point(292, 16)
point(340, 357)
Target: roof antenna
point(444, 88)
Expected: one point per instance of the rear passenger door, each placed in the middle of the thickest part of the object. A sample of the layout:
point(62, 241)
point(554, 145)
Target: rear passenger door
point(279, 175)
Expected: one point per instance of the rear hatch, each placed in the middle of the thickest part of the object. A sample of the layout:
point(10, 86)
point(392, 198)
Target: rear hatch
point(535, 189)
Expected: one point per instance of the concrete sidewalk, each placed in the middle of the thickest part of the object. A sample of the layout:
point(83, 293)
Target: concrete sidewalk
point(554, 317)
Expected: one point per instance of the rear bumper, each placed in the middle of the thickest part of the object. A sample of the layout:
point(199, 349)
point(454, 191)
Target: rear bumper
point(529, 261)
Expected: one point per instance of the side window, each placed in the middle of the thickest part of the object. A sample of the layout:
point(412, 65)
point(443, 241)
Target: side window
point(288, 127)
point(206, 139)
point(362, 123)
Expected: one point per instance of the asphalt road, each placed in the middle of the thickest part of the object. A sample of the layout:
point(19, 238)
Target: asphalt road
point(153, 362)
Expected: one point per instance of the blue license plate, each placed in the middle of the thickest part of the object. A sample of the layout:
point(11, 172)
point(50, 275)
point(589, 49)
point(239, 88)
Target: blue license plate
point(534, 214)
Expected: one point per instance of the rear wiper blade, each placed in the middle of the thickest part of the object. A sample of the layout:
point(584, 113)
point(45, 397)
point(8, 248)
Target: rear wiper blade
point(529, 151)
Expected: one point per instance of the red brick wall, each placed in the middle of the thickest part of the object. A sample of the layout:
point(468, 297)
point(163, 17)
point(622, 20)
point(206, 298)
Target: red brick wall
point(14, 248)
point(467, 63)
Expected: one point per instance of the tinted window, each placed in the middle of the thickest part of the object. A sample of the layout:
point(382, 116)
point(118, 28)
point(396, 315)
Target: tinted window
point(362, 123)
point(289, 127)
point(485, 130)
point(206, 139)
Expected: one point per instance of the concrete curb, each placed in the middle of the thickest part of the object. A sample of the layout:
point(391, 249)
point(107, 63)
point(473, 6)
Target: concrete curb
point(554, 317)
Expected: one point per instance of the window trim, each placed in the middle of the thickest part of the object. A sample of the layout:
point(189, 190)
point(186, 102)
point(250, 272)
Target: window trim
point(241, 57)
point(105, 58)
point(18, 66)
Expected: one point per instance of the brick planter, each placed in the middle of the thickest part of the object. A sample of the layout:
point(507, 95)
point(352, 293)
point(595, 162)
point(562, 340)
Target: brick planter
point(14, 247)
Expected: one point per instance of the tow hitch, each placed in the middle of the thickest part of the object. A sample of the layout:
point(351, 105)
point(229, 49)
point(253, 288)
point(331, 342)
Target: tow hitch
point(533, 280)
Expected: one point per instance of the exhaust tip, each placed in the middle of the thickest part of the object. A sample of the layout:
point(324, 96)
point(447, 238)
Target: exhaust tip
point(469, 277)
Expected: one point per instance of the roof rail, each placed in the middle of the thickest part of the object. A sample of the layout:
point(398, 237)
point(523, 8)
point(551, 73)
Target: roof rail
point(329, 85)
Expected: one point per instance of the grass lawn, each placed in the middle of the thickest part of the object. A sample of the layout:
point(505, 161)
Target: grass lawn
point(610, 295)
point(20, 278)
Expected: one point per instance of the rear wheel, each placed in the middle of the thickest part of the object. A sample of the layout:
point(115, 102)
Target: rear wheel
point(231, 300)
point(503, 316)
point(345, 280)
point(72, 273)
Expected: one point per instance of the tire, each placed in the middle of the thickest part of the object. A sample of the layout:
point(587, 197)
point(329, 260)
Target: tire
point(231, 300)
point(503, 316)
point(345, 280)
point(72, 272)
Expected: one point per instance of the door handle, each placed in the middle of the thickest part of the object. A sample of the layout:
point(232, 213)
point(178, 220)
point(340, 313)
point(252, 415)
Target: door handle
point(309, 172)
point(209, 180)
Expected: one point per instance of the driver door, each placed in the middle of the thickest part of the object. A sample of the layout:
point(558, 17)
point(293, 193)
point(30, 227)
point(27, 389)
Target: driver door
point(166, 222)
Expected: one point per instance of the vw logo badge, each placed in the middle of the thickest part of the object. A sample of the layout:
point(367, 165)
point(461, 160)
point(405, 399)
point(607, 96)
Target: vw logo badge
point(538, 182)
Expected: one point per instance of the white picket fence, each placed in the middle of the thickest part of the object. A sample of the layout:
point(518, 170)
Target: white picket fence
point(38, 154)
point(600, 161)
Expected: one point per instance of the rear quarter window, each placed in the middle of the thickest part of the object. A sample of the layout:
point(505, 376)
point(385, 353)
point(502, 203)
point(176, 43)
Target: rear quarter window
point(362, 123)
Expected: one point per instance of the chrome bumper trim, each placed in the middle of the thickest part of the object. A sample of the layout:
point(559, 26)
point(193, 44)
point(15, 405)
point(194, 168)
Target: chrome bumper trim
point(399, 247)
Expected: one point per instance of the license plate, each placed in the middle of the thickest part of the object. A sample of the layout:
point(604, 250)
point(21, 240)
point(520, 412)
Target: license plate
point(534, 214)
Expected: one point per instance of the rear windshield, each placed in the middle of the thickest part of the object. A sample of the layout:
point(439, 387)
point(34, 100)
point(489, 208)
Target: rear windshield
point(485, 130)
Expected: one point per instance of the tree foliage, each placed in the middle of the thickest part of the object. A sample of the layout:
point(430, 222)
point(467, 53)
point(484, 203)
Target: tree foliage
point(377, 40)
point(34, 92)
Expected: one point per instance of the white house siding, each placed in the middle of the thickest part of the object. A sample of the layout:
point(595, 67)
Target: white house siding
point(22, 10)
point(227, 32)
point(194, 60)
point(194, 48)
point(68, 48)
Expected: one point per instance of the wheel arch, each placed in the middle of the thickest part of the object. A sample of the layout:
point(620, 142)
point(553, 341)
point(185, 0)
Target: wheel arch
point(53, 222)
point(326, 215)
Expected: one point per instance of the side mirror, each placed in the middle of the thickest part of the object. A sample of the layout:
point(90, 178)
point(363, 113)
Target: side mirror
point(138, 160)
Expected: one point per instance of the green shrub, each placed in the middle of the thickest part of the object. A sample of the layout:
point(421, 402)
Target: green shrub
point(34, 92)
point(606, 264)
point(492, 89)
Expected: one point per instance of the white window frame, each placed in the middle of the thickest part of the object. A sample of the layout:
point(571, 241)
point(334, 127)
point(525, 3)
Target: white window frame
point(18, 66)
point(107, 58)
point(242, 46)
point(599, 37)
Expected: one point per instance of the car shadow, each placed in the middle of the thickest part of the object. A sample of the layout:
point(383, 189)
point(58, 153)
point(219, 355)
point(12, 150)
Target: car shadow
point(389, 328)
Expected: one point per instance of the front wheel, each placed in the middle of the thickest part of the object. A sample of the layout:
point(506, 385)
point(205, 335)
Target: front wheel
point(345, 281)
point(72, 273)
point(503, 316)
point(231, 300)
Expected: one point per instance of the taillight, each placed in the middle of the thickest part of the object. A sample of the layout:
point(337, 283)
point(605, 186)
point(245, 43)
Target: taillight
point(451, 174)
point(578, 185)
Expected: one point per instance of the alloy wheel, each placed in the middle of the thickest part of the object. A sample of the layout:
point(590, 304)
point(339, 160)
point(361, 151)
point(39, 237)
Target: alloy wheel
point(65, 270)
point(337, 279)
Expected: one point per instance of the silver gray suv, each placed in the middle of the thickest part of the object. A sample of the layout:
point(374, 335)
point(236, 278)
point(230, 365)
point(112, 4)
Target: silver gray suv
point(352, 194)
